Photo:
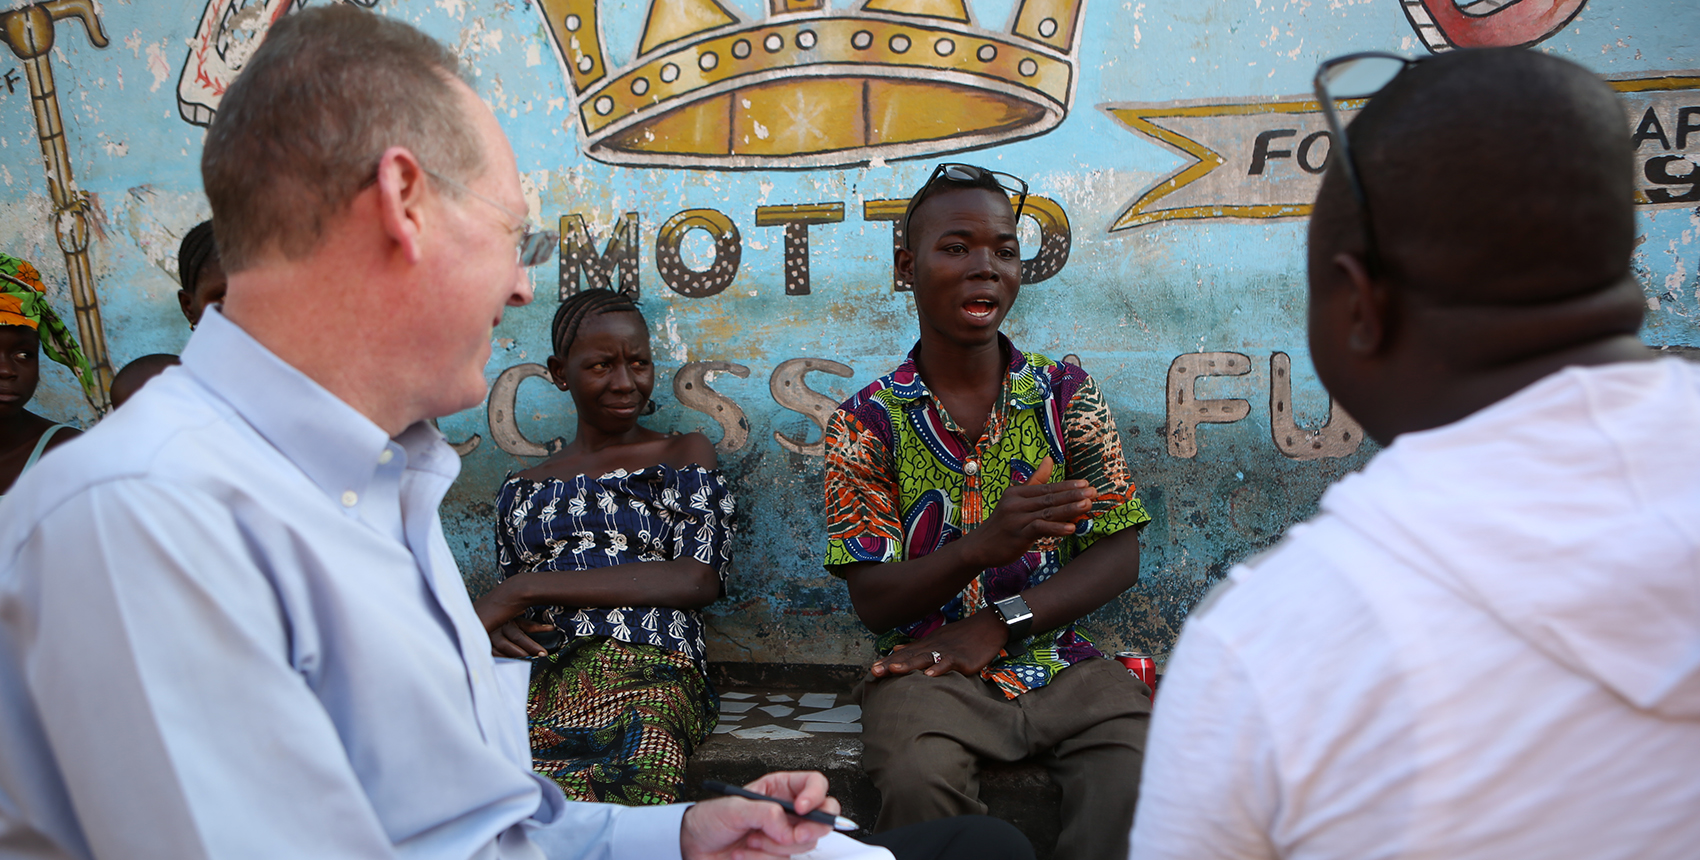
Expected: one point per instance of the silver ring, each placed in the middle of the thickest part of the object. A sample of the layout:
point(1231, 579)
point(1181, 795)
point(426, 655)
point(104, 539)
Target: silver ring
point(936, 657)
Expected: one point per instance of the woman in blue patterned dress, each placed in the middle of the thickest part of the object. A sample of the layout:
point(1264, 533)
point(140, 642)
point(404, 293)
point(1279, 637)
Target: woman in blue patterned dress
point(606, 552)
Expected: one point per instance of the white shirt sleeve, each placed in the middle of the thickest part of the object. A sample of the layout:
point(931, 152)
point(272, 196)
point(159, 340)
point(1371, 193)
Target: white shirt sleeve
point(158, 661)
point(1209, 788)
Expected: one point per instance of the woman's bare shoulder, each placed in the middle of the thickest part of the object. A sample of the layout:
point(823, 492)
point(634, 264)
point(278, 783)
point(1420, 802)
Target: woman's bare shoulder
point(61, 436)
point(690, 449)
point(563, 466)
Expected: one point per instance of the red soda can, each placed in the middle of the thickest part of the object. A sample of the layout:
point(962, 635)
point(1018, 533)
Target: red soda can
point(1140, 666)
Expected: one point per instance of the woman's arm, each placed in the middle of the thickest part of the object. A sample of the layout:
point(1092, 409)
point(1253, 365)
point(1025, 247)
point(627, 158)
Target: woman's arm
point(679, 584)
point(686, 582)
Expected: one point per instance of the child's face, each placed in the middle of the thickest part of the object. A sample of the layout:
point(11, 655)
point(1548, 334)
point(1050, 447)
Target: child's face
point(965, 264)
point(210, 284)
point(20, 371)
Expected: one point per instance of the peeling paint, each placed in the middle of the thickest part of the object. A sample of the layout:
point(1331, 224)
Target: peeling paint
point(158, 65)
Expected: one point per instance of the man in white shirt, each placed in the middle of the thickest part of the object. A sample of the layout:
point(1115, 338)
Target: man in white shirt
point(1487, 644)
point(230, 625)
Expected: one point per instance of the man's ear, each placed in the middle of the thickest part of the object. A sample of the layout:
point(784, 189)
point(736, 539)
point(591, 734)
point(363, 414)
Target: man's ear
point(1369, 307)
point(905, 262)
point(401, 200)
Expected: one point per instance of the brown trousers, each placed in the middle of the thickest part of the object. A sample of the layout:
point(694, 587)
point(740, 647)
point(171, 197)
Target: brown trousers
point(924, 738)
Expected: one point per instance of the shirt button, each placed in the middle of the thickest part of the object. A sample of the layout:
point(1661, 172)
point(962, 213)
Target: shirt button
point(971, 467)
point(385, 457)
point(349, 498)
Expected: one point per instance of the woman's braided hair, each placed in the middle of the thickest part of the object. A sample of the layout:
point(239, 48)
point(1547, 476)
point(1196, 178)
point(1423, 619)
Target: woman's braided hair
point(580, 306)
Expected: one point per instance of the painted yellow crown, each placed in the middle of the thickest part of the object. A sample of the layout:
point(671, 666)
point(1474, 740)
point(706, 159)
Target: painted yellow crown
point(809, 87)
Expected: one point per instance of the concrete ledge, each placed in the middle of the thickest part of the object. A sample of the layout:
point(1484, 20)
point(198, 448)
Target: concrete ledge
point(1022, 794)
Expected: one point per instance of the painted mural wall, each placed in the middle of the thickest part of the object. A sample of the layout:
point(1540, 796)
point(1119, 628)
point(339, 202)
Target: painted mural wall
point(741, 163)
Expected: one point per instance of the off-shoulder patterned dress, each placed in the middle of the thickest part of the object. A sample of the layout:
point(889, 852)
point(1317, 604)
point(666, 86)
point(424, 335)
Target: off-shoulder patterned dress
point(616, 711)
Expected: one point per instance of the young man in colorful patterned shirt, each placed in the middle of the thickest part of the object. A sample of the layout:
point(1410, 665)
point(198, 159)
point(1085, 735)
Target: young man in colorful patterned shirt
point(978, 505)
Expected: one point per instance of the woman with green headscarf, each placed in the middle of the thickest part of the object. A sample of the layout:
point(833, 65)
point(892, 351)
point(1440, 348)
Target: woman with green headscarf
point(29, 327)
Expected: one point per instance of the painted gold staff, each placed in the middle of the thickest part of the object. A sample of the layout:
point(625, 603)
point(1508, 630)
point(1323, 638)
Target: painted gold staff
point(29, 33)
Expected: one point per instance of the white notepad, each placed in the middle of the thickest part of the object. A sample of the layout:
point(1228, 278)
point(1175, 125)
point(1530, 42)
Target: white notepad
point(837, 846)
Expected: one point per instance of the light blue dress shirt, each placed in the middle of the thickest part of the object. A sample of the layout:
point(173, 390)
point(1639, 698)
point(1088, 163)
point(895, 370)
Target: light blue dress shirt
point(230, 627)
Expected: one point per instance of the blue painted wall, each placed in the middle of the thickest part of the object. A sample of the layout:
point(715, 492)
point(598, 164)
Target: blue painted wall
point(1139, 292)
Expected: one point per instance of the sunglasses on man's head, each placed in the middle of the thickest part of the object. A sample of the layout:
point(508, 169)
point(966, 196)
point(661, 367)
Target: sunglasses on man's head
point(967, 174)
point(1356, 77)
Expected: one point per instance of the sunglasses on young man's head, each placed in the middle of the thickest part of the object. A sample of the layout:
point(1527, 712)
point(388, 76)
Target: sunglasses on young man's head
point(1356, 77)
point(966, 174)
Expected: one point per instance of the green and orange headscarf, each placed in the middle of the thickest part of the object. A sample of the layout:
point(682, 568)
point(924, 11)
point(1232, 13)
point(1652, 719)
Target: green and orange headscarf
point(23, 301)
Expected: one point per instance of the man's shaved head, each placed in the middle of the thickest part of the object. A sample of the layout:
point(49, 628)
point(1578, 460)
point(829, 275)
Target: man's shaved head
point(1501, 191)
point(1492, 175)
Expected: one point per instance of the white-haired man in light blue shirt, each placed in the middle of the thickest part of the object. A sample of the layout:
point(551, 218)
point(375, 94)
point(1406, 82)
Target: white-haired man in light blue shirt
point(229, 624)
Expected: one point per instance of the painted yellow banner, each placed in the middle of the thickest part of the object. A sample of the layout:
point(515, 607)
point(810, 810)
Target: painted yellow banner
point(1258, 159)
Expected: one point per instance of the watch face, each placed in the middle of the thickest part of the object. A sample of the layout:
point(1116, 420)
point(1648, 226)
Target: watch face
point(1013, 609)
point(1016, 616)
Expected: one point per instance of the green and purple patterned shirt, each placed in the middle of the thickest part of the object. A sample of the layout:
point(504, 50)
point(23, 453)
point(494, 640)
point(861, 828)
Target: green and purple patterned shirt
point(903, 481)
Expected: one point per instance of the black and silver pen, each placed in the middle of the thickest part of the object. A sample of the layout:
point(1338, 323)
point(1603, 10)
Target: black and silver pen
point(838, 822)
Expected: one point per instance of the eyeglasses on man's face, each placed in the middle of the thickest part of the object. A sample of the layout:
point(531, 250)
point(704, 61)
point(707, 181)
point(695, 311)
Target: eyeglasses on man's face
point(1356, 77)
point(967, 174)
point(535, 246)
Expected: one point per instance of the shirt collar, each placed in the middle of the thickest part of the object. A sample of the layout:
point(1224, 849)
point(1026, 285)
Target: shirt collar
point(1026, 385)
point(333, 444)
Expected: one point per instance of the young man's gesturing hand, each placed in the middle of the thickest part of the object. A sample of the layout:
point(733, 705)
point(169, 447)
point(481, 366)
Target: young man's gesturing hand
point(1028, 512)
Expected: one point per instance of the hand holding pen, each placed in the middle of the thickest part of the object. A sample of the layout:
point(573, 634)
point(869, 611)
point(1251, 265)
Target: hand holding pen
point(836, 822)
point(728, 827)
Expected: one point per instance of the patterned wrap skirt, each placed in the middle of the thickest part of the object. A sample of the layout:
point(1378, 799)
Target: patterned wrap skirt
point(615, 722)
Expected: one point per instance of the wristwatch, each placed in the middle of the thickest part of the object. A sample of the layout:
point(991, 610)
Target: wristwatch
point(1016, 616)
